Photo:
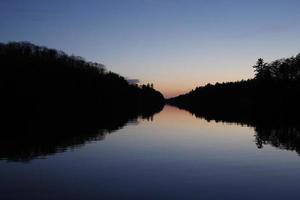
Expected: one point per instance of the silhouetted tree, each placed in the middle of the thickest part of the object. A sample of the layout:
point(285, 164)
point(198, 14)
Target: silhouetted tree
point(262, 70)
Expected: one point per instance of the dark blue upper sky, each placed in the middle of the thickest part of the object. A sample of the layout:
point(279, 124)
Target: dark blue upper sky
point(176, 44)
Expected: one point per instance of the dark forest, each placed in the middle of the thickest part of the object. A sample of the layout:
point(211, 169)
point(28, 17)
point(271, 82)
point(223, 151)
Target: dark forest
point(46, 87)
point(273, 94)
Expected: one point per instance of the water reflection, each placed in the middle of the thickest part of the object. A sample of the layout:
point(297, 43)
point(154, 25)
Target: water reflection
point(281, 137)
point(27, 147)
point(38, 138)
point(280, 131)
point(175, 156)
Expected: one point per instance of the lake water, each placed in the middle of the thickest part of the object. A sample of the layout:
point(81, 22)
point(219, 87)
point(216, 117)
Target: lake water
point(173, 156)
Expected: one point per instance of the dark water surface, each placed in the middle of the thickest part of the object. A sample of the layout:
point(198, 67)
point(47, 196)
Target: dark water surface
point(173, 156)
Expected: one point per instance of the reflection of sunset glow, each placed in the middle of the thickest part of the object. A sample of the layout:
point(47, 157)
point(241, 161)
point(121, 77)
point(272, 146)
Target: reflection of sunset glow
point(171, 116)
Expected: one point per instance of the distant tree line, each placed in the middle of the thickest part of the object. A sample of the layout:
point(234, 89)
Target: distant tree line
point(41, 83)
point(274, 92)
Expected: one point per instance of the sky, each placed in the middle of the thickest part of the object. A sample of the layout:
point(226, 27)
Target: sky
point(174, 44)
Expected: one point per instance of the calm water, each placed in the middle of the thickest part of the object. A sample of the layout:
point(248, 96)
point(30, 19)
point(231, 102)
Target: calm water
point(174, 156)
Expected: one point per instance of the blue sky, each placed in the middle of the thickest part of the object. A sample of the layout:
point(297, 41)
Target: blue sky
point(175, 44)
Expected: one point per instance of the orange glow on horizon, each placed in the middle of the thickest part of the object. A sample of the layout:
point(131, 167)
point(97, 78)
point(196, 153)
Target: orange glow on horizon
point(177, 81)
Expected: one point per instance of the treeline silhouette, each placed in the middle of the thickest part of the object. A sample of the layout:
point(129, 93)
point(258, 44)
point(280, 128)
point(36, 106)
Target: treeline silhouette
point(48, 97)
point(37, 81)
point(274, 92)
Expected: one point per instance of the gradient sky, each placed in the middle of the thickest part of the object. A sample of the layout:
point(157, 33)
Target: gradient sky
point(175, 44)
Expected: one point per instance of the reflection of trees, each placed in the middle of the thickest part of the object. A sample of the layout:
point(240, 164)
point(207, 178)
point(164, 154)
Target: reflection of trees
point(281, 137)
point(281, 131)
point(27, 140)
point(28, 147)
